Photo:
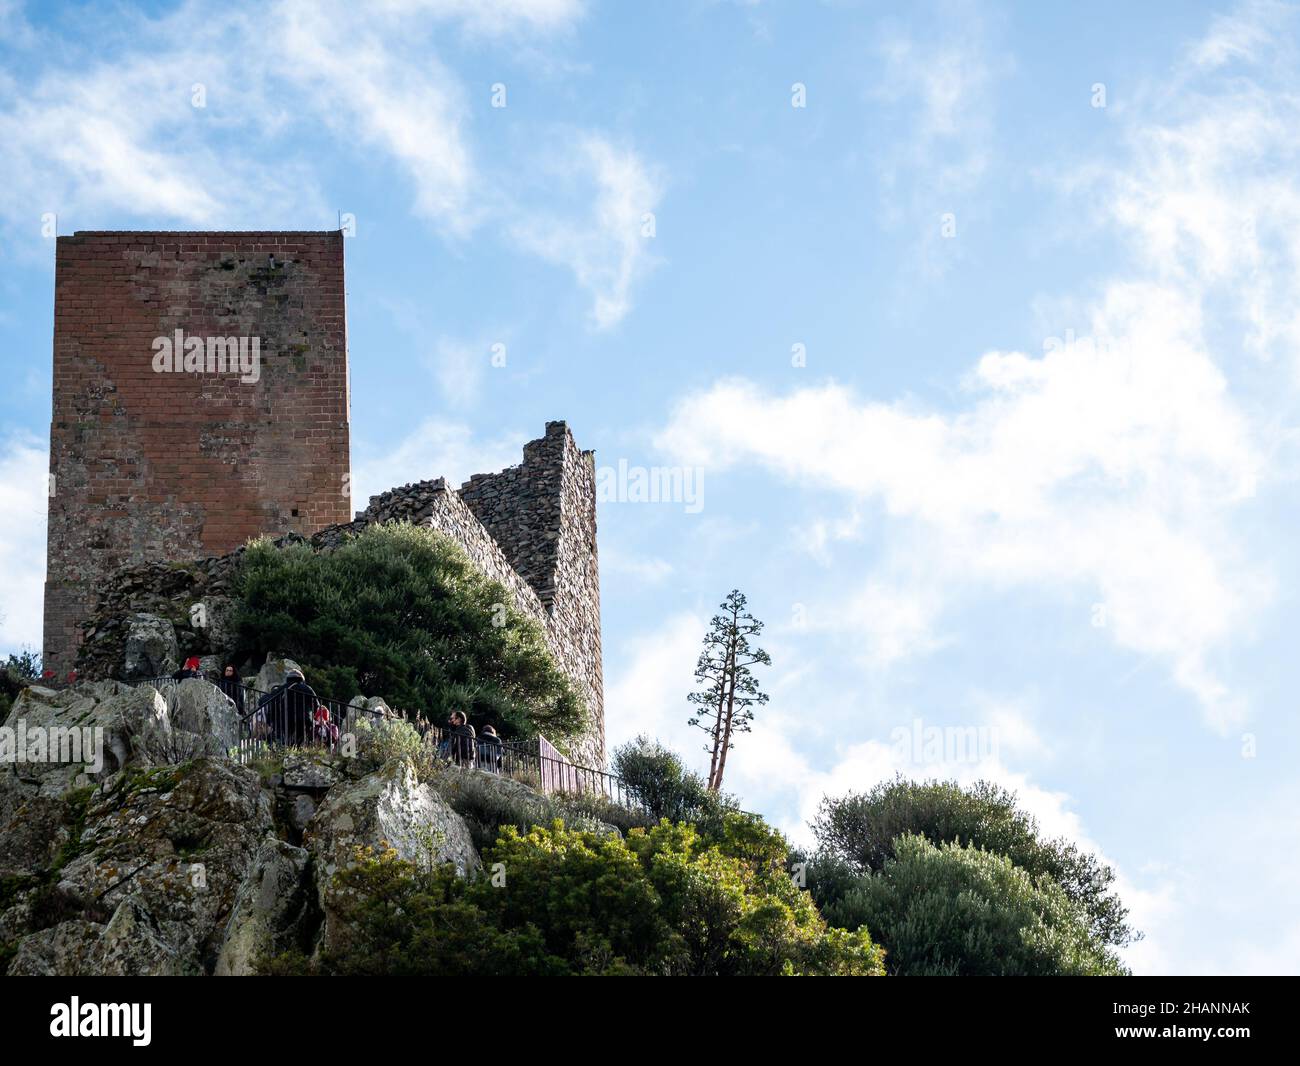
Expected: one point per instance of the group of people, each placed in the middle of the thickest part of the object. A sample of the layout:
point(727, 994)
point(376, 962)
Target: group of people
point(463, 746)
point(291, 714)
point(228, 681)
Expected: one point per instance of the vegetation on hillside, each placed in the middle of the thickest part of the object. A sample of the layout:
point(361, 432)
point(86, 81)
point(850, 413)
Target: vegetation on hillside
point(400, 611)
point(954, 880)
point(659, 781)
point(911, 879)
point(567, 902)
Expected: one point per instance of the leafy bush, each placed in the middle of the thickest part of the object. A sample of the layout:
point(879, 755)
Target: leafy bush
point(576, 902)
point(657, 778)
point(957, 910)
point(381, 739)
point(405, 920)
point(400, 610)
point(862, 829)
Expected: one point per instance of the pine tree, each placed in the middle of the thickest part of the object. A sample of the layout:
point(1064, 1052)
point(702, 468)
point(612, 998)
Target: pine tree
point(729, 691)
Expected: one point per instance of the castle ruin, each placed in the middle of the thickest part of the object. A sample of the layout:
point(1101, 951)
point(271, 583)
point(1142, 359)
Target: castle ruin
point(201, 399)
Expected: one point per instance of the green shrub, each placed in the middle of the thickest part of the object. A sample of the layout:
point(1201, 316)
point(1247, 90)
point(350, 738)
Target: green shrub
point(861, 829)
point(657, 778)
point(400, 611)
point(578, 902)
point(407, 921)
point(579, 808)
point(957, 910)
point(381, 739)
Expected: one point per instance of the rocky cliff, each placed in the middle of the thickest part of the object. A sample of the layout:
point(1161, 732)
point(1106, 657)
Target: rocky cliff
point(155, 853)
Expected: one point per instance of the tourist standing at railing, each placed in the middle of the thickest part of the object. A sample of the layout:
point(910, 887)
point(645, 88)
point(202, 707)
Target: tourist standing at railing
point(489, 750)
point(232, 685)
point(190, 669)
point(461, 742)
point(289, 708)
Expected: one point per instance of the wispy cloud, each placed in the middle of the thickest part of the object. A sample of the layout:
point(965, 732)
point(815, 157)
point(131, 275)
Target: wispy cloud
point(1115, 465)
point(1113, 469)
point(646, 569)
point(107, 130)
point(937, 88)
point(608, 249)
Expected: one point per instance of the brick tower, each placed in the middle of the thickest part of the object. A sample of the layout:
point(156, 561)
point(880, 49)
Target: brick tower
point(200, 398)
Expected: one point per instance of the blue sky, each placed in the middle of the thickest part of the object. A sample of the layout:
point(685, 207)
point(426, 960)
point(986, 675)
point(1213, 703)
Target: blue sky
point(1035, 472)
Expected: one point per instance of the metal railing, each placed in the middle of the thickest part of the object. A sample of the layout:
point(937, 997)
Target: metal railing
point(295, 717)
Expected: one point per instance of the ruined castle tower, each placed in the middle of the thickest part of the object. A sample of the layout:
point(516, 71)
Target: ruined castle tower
point(543, 515)
point(167, 455)
point(168, 444)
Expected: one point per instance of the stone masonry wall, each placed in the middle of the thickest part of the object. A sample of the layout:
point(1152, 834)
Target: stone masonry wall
point(543, 515)
point(158, 466)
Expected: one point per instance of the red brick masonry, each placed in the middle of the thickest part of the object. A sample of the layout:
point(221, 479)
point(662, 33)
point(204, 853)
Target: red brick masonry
point(152, 464)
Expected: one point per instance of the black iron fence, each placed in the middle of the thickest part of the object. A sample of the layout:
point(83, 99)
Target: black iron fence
point(293, 716)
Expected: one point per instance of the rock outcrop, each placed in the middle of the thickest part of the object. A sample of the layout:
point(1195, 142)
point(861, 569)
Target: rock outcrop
point(389, 807)
point(105, 726)
point(151, 648)
point(148, 882)
point(273, 911)
point(170, 858)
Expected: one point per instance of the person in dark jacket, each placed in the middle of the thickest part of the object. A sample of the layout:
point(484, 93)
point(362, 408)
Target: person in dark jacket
point(289, 708)
point(489, 750)
point(232, 685)
point(190, 669)
point(460, 739)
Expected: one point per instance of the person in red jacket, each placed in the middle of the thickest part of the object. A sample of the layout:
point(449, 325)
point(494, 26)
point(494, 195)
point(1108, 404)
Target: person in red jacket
point(190, 669)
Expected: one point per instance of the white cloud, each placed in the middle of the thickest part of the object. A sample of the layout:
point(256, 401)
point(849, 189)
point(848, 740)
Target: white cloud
point(937, 87)
point(121, 136)
point(1212, 206)
point(606, 250)
point(1115, 469)
point(945, 81)
point(648, 695)
point(110, 131)
point(1236, 876)
point(24, 467)
point(1108, 468)
point(498, 18)
point(883, 622)
point(458, 368)
point(1243, 35)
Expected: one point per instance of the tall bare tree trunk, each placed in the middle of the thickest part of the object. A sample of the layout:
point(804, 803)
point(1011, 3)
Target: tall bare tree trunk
point(726, 733)
point(717, 732)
